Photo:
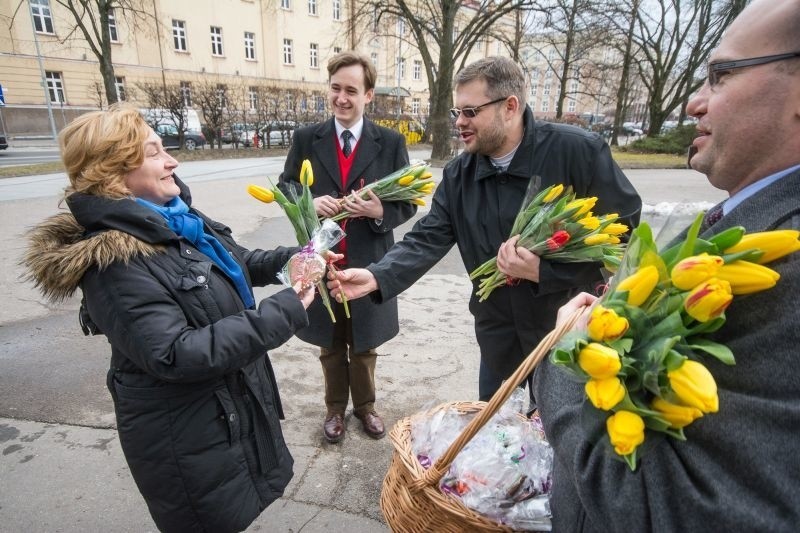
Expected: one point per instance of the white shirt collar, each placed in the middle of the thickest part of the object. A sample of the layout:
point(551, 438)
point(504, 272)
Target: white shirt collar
point(355, 129)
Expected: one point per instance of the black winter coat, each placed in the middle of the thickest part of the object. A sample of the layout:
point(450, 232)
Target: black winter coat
point(379, 152)
point(195, 396)
point(475, 206)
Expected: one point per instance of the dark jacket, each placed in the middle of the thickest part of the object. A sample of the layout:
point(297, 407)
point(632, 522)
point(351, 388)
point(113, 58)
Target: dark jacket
point(195, 397)
point(380, 151)
point(737, 470)
point(475, 206)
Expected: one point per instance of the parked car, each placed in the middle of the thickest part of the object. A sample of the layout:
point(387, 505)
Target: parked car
point(242, 133)
point(3, 142)
point(169, 138)
point(631, 128)
point(276, 137)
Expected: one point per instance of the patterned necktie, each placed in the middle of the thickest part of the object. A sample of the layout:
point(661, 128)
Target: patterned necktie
point(346, 148)
point(712, 216)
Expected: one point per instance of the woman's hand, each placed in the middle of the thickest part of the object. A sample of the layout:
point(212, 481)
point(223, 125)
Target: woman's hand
point(584, 300)
point(359, 207)
point(326, 206)
point(306, 295)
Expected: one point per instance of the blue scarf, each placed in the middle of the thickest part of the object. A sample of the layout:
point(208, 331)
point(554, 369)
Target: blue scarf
point(190, 227)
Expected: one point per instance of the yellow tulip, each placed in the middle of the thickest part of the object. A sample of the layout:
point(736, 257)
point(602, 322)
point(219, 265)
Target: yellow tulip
point(746, 277)
point(406, 180)
point(584, 205)
point(600, 238)
point(306, 174)
point(639, 285)
point(775, 244)
point(679, 416)
point(626, 431)
point(261, 193)
point(694, 270)
point(425, 176)
point(599, 361)
point(615, 228)
point(708, 300)
point(589, 222)
point(417, 201)
point(605, 325)
point(611, 216)
point(427, 188)
point(554, 193)
point(694, 386)
point(605, 393)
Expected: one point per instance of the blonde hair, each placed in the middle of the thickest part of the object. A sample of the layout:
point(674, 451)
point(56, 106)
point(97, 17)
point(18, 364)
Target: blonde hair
point(101, 147)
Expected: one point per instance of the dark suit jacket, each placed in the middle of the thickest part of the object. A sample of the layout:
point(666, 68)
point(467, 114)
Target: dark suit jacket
point(738, 468)
point(379, 152)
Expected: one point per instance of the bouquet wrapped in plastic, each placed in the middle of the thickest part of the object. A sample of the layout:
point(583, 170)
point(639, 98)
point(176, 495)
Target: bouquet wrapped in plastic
point(640, 356)
point(556, 225)
point(316, 238)
point(409, 184)
point(504, 472)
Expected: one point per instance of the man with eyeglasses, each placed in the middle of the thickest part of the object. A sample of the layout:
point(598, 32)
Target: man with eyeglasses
point(737, 470)
point(475, 206)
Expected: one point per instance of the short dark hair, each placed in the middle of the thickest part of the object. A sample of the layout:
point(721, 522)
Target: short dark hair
point(346, 59)
point(503, 78)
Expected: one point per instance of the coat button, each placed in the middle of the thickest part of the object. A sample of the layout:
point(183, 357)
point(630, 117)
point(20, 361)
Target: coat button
point(232, 417)
point(201, 279)
point(188, 252)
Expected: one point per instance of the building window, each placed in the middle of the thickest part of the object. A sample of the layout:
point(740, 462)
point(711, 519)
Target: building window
point(285, 4)
point(415, 106)
point(252, 97)
point(535, 74)
point(55, 87)
point(545, 105)
point(222, 96)
point(112, 27)
point(401, 68)
point(546, 91)
point(119, 85)
point(551, 54)
point(401, 26)
point(186, 92)
point(313, 55)
point(374, 58)
point(42, 18)
point(216, 41)
point(337, 49)
point(417, 69)
point(249, 45)
point(571, 106)
point(534, 89)
point(312, 7)
point(179, 35)
point(573, 87)
point(548, 74)
point(287, 52)
point(320, 103)
point(337, 9)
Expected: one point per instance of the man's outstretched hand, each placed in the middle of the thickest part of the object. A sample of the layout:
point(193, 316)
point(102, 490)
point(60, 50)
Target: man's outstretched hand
point(353, 282)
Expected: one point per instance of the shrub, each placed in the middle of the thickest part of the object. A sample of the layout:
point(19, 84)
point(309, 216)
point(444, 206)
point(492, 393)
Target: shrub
point(675, 142)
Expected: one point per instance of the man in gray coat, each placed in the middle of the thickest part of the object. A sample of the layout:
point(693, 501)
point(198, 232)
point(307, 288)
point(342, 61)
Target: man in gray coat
point(347, 152)
point(738, 468)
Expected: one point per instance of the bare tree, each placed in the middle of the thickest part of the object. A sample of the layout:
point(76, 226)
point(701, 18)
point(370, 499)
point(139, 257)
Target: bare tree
point(432, 24)
point(212, 99)
point(573, 30)
point(169, 105)
point(92, 18)
point(675, 38)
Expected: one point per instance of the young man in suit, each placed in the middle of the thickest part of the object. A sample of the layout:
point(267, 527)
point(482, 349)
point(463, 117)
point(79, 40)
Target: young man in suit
point(347, 152)
point(738, 468)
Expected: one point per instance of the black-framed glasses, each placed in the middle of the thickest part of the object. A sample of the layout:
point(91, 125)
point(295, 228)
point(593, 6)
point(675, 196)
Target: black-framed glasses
point(715, 70)
point(471, 112)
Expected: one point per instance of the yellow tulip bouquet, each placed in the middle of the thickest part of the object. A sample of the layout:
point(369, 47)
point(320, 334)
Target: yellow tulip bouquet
point(307, 266)
point(410, 183)
point(640, 357)
point(556, 225)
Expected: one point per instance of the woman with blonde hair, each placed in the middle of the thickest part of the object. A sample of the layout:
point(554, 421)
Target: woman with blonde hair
point(194, 393)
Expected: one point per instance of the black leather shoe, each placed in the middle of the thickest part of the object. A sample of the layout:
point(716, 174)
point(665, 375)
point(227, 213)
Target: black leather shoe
point(333, 428)
point(373, 425)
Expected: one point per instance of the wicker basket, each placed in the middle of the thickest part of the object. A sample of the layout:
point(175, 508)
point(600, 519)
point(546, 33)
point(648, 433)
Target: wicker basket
point(411, 500)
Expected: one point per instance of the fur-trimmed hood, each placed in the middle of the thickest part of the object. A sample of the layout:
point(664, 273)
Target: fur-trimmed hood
point(58, 253)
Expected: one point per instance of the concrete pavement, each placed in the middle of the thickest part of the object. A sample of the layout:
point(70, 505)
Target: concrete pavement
point(61, 468)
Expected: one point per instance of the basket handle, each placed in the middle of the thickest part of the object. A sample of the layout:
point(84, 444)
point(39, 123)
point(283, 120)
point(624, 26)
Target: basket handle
point(433, 474)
